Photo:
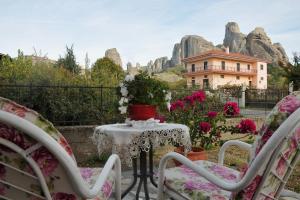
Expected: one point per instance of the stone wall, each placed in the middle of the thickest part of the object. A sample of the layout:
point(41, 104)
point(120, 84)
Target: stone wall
point(79, 137)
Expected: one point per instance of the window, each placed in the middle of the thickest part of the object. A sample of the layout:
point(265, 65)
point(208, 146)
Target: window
point(223, 65)
point(193, 81)
point(205, 65)
point(261, 67)
point(238, 67)
point(248, 66)
point(237, 78)
point(262, 78)
point(193, 67)
point(222, 76)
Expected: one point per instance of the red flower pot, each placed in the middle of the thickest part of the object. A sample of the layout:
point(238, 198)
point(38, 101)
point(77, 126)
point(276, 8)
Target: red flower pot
point(197, 153)
point(141, 112)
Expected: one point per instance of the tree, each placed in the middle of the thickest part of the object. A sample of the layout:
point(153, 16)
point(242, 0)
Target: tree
point(293, 71)
point(105, 72)
point(69, 61)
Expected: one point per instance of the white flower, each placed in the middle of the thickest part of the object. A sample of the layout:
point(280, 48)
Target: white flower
point(129, 78)
point(123, 100)
point(124, 91)
point(121, 84)
point(123, 109)
point(151, 95)
point(209, 94)
point(168, 96)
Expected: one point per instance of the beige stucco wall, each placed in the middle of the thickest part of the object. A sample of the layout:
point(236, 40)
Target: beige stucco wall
point(261, 84)
point(215, 79)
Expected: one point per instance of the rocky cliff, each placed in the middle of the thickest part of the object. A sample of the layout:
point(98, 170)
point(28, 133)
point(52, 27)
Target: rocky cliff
point(114, 55)
point(256, 43)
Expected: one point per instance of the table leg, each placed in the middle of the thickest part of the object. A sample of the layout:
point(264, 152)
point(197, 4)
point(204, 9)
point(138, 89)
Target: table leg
point(143, 175)
point(135, 176)
point(151, 167)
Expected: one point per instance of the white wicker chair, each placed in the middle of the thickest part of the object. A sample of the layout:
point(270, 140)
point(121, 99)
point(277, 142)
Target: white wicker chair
point(272, 164)
point(37, 163)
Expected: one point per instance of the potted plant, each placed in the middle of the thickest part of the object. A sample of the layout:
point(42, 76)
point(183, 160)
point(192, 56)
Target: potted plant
point(141, 95)
point(205, 126)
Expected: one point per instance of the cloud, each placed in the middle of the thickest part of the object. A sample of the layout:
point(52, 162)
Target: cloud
point(140, 30)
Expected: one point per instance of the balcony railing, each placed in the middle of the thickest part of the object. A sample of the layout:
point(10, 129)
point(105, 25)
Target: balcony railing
point(220, 69)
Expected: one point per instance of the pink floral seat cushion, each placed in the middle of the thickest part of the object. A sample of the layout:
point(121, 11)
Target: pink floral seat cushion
point(191, 185)
point(276, 117)
point(35, 118)
point(90, 175)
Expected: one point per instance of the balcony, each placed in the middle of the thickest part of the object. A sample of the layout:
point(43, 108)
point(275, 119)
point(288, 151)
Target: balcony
point(215, 69)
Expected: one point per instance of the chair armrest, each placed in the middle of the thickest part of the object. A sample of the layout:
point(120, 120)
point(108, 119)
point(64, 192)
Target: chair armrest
point(229, 143)
point(288, 193)
point(201, 171)
point(113, 163)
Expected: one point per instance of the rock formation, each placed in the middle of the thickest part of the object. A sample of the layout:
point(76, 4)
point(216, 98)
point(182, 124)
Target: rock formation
point(114, 55)
point(234, 39)
point(256, 43)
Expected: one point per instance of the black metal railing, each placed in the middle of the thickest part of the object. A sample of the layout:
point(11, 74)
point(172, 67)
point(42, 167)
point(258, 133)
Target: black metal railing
point(67, 105)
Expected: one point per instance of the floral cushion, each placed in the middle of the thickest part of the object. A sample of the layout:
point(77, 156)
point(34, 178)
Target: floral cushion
point(191, 185)
point(11, 178)
point(35, 118)
point(276, 117)
point(90, 175)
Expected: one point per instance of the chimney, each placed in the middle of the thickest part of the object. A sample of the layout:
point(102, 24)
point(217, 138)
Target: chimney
point(227, 50)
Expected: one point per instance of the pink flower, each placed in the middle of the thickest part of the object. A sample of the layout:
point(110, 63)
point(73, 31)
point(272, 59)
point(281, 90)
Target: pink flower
point(247, 126)
point(177, 104)
point(63, 142)
point(199, 96)
point(189, 100)
point(86, 173)
point(63, 196)
point(281, 167)
point(107, 189)
point(231, 109)
point(212, 114)
point(11, 134)
point(161, 118)
point(191, 185)
point(204, 127)
point(15, 109)
point(289, 104)
point(266, 136)
point(46, 161)
point(249, 191)
point(188, 171)
point(223, 172)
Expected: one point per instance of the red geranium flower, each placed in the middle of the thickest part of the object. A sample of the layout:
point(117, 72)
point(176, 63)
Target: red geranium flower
point(199, 96)
point(247, 126)
point(177, 104)
point(231, 109)
point(212, 114)
point(189, 100)
point(204, 127)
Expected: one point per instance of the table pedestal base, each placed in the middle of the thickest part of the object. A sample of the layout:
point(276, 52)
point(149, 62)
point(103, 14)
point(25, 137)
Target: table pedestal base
point(144, 174)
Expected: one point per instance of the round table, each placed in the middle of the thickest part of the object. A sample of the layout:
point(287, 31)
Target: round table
point(132, 142)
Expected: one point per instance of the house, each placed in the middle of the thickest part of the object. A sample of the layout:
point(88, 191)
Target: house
point(217, 68)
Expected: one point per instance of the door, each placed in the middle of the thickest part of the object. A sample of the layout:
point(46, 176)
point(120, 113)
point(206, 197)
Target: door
point(205, 83)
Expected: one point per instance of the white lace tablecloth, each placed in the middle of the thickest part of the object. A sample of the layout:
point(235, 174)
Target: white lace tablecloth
point(127, 141)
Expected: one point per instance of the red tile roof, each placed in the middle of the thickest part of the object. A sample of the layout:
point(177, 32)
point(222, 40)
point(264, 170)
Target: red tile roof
point(223, 55)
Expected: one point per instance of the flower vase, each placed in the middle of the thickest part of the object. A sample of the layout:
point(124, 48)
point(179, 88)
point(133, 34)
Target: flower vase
point(141, 112)
point(197, 153)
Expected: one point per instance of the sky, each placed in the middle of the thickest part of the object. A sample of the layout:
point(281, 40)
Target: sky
point(141, 30)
